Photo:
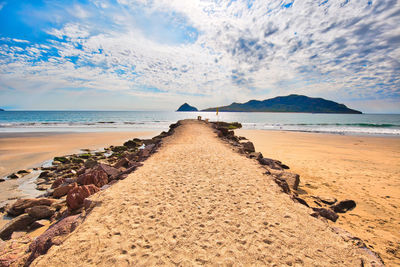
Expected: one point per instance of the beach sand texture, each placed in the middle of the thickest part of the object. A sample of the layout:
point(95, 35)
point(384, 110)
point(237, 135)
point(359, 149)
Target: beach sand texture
point(26, 150)
point(197, 202)
point(363, 168)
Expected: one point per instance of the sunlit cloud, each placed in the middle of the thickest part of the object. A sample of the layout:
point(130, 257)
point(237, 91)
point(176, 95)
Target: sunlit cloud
point(207, 52)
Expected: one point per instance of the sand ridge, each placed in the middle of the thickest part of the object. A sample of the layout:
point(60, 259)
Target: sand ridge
point(197, 202)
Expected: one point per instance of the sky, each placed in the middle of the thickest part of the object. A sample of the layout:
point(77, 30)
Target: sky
point(158, 54)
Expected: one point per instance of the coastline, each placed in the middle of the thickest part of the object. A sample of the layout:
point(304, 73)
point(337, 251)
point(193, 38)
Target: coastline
point(20, 151)
point(362, 168)
point(27, 150)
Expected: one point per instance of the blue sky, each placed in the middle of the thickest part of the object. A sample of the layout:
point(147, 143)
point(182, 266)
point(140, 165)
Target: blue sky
point(157, 54)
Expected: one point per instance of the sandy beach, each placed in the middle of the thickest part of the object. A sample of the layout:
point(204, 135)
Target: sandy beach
point(365, 169)
point(197, 202)
point(27, 150)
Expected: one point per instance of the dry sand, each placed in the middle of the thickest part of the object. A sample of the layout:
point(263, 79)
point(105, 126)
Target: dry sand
point(197, 202)
point(26, 150)
point(365, 169)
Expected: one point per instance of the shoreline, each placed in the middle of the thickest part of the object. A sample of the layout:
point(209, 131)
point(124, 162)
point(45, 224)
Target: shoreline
point(22, 150)
point(361, 168)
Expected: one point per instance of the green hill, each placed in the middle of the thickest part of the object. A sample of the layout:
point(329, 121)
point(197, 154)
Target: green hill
point(290, 103)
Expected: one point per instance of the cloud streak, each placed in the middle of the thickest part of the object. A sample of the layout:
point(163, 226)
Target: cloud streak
point(220, 51)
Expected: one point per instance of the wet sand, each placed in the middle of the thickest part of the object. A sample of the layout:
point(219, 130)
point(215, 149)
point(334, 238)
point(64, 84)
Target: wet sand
point(27, 150)
point(197, 202)
point(365, 169)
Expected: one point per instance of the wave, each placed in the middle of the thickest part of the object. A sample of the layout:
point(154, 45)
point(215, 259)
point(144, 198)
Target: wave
point(158, 125)
point(377, 125)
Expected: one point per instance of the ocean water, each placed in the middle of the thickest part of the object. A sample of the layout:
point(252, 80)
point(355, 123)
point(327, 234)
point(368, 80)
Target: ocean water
point(89, 121)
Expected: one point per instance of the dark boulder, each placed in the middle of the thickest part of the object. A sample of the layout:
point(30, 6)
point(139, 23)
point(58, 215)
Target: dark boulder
point(273, 164)
point(292, 179)
point(13, 176)
point(326, 213)
point(62, 159)
point(300, 200)
point(21, 205)
point(20, 223)
point(90, 163)
point(283, 184)
point(41, 212)
point(248, 147)
point(344, 206)
point(53, 236)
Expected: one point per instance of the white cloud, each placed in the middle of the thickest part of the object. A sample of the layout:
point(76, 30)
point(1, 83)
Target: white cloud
point(343, 53)
point(2, 4)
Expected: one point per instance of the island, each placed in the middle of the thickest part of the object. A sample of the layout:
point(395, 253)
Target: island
point(187, 107)
point(2, 109)
point(290, 103)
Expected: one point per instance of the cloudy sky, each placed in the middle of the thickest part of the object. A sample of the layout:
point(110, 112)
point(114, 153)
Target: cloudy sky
point(155, 55)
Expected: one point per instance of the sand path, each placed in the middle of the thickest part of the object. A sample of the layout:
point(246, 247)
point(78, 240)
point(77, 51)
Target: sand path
point(197, 202)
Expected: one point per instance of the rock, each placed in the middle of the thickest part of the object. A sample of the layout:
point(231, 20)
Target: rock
point(13, 176)
point(121, 163)
point(327, 200)
point(283, 184)
point(78, 194)
point(18, 234)
point(39, 224)
point(90, 163)
point(40, 181)
point(62, 159)
point(44, 174)
point(133, 166)
point(52, 236)
point(146, 152)
point(58, 182)
point(23, 172)
point(63, 190)
point(344, 206)
point(111, 171)
point(21, 204)
point(43, 187)
point(300, 200)
point(77, 160)
point(96, 177)
point(273, 164)
point(19, 223)
point(326, 213)
point(40, 212)
point(132, 143)
point(85, 155)
point(256, 155)
point(292, 179)
point(119, 148)
point(1, 180)
point(248, 147)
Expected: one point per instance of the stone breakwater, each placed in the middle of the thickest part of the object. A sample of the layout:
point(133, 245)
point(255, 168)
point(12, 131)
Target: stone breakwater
point(66, 204)
point(325, 207)
point(66, 184)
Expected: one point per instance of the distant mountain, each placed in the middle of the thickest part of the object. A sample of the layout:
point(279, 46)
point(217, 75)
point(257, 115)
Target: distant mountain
point(187, 107)
point(2, 109)
point(290, 103)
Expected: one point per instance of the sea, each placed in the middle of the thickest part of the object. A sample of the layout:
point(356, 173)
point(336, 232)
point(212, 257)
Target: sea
point(100, 121)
